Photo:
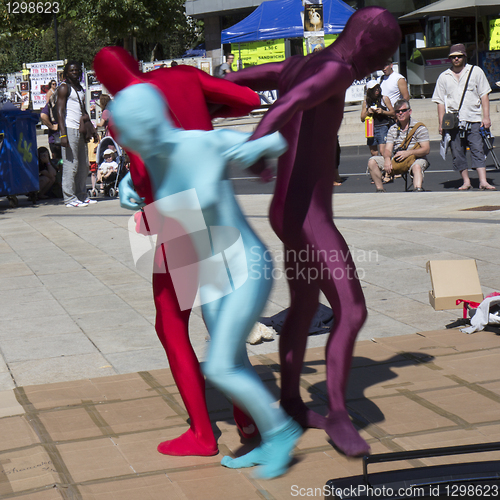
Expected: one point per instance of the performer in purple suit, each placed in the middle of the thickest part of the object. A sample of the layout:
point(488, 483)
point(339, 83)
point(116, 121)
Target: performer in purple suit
point(308, 113)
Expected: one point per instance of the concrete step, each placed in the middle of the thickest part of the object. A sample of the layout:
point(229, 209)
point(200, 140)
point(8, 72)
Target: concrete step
point(352, 131)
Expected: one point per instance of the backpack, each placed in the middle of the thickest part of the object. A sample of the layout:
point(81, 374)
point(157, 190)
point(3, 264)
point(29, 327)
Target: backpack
point(218, 72)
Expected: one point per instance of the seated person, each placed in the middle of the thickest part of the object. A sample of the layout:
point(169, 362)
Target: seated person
point(48, 119)
point(46, 172)
point(377, 165)
point(108, 168)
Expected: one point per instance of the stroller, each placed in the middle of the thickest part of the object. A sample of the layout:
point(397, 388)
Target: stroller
point(110, 185)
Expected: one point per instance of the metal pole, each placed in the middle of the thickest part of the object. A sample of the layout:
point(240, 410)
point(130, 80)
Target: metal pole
point(56, 37)
point(477, 41)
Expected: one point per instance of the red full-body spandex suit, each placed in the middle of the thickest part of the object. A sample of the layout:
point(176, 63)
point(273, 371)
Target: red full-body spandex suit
point(308, 113)
point(188, 92)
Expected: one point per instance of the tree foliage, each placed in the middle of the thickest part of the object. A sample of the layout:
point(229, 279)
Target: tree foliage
point(18, 33)
point(147, 20)
point(85, 27)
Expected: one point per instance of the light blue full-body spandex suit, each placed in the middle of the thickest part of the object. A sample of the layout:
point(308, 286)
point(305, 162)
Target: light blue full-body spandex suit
point(189, 180)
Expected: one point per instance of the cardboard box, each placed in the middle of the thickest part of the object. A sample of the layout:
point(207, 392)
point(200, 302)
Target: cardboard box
point(452, 280)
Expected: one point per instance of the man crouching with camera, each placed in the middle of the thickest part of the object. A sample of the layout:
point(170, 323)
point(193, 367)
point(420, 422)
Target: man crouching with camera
point(406, 149)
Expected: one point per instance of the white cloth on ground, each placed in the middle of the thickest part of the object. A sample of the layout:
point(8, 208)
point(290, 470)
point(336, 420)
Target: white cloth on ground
point(483, 316)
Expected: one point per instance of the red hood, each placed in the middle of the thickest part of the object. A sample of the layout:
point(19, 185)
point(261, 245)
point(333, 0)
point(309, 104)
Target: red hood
point(116, 69)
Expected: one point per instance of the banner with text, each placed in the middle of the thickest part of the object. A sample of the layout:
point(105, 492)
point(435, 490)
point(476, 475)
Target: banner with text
point(40, 76)
point(254, 53)
point(495, 34)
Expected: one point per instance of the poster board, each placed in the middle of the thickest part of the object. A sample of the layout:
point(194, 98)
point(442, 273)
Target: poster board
point(313, 20)
point(494, 34)
point(203, 63)
point(327, 40)
point(490, 63)
point(40, 76)
point(255, 53)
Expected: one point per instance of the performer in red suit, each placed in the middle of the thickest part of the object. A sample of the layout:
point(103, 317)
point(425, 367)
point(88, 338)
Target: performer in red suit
point(189, 93)
point(308, 113)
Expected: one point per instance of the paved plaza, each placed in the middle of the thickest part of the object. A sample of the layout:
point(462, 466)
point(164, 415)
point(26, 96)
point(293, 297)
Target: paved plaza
point(74, 305)
point(85, 389)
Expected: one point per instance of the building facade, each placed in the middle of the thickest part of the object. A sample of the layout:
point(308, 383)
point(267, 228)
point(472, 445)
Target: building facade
point(216, 14)
point(221, 14)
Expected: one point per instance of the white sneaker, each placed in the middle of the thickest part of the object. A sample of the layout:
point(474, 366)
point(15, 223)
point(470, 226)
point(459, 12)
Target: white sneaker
point(75, 204)
point(88, 201)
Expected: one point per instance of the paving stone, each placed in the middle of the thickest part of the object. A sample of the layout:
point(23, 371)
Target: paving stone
point(47, 370)
point(46, 347)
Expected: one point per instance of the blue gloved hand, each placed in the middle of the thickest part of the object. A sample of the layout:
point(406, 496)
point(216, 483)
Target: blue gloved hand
point(129, 198)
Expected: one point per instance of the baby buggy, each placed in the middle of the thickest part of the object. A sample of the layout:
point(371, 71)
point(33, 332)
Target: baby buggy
point(110, 185)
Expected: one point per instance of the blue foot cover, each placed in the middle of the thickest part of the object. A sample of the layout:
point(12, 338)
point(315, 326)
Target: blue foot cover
point(273, 455)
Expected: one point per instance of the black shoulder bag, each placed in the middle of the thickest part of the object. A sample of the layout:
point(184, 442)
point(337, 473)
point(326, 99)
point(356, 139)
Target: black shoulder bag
point(87, 129)
point(450, 120)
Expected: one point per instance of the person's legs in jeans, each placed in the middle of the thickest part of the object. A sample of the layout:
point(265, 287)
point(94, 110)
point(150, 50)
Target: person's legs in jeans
point(70, 166)
point(82, 170)
point(380, 135)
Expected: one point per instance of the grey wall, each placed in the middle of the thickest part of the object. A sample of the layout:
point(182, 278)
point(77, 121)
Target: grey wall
point(200, 8)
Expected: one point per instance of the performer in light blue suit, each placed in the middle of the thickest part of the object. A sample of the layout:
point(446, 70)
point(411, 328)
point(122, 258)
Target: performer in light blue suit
point(188, 170)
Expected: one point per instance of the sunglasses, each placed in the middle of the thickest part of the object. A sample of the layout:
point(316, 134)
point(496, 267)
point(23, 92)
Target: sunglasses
point(457, 57)
point(399, 111)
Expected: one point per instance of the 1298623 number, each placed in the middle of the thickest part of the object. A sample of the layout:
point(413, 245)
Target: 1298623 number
point(33, 7)
point(471, 490)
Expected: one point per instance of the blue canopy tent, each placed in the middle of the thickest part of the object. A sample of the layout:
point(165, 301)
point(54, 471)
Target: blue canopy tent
point(281, 19)
point(198, 51)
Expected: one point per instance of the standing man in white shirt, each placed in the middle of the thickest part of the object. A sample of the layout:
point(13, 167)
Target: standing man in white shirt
point(473, 114)
point(393, 84)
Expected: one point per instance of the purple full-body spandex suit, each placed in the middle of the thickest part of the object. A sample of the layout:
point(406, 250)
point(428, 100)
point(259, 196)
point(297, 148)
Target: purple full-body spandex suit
point(308, 113)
